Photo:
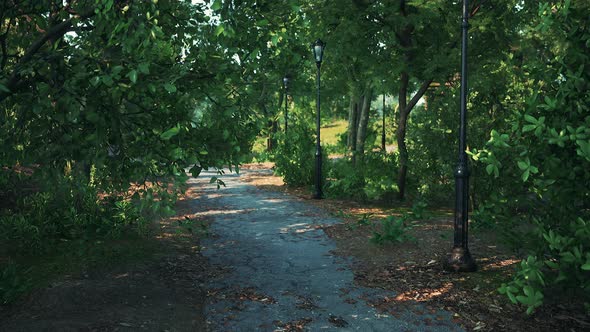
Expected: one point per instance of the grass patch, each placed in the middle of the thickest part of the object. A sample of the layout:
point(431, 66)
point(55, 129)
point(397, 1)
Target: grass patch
point(330, 133)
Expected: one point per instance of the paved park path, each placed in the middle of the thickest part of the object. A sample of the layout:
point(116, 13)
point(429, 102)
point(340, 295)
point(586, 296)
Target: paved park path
point(279, 271)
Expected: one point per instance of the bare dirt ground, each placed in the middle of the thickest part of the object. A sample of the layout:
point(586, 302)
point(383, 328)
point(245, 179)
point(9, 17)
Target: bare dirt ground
point(413, 270)
point(163, 293)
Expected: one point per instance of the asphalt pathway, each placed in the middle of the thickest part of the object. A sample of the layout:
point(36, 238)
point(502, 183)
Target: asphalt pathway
point(279, 270)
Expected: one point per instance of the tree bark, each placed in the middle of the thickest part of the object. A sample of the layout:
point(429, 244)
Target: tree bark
point(352, 123)
point(401, 135)
point(404, 111)
point(361, 136)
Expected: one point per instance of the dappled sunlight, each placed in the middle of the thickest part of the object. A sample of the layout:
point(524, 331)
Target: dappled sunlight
point(191, 193)
point(299, 228)
point(495, 263)
point(273, 200)
point(434, 227)
point(218, 194)
point(225, 211)
point(424, 294)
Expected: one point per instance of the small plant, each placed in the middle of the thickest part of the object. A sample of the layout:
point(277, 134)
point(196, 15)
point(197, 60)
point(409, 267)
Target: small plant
point(12, 283)
point(364, 220)
point(393, 230)
point(526, 286)
point(566, 264)
point(192, 226)
point(419, 210)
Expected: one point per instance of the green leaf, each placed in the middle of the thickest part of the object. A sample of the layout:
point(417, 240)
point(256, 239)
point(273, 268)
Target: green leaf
point(107, 80)
point(528, 128)
point(530, 119)
point(216, 5)
point(108, 5)
point(219, 30)
point(263, 22)
point(490, 169)
point(275, 39)
point(177, 153)
point(528, 291)
point(213, 179)
point(144, 68)
point(522, 165)
point(132, 76)
point(586, 267)
point(116, 70)
point(170, 87)
point(168, 134)
point(196, 170)
point(525, 175)
point(526, 300)
point(512, 297)
point(553, 265)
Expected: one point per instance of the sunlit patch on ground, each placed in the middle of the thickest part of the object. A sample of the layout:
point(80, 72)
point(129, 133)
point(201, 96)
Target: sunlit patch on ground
point(489, 263)
point(424, 294)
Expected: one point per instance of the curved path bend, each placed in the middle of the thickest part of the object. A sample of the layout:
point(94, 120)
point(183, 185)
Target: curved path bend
point(279, 270)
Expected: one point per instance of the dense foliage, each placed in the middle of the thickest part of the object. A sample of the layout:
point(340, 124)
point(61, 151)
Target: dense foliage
point(528, 130)
point(107, 107)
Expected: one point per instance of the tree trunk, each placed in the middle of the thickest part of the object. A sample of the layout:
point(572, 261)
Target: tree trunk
point(401, 135)
point(274, 128)
point(352, 123)
point(361, 136)
point(404, 111)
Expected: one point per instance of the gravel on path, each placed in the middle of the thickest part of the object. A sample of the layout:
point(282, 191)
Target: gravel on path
point(280, 273)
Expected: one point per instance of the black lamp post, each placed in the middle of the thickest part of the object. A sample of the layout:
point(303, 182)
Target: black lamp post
point(286, 89)
point(318, 53)
point(459, 259)
point(383, 126)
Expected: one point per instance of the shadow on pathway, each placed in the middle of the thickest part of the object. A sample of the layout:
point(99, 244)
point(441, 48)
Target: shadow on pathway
point(280, 274)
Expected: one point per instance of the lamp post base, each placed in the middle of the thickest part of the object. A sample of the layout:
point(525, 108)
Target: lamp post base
point(459, 260)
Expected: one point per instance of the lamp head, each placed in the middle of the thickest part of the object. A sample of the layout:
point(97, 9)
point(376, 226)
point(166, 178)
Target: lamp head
point(318, 51)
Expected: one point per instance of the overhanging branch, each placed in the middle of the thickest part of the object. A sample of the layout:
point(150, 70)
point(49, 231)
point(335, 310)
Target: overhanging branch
point(54, 32)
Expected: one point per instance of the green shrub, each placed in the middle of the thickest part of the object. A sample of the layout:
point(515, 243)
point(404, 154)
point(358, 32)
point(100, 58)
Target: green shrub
point(393, 230)
point(364, 220)
point(295, 157)
point(40, 221)
point(566, 263)
point(344, 180)
point(419, 211)
point(373, 178)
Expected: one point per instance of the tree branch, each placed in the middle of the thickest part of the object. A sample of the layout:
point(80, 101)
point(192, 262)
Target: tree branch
point(418, 95)
point(55, 32)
